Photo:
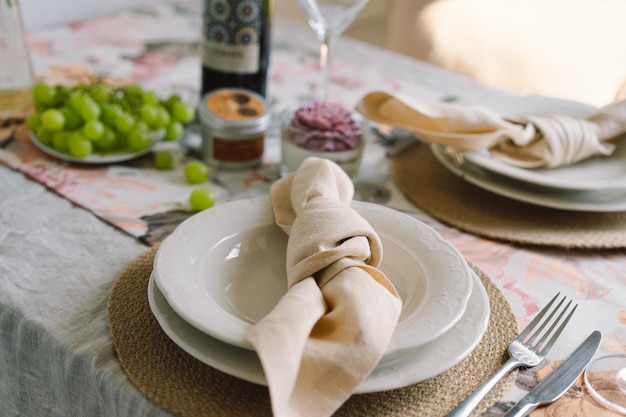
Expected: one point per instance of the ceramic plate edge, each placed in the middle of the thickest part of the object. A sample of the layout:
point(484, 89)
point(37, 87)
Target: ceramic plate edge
point(236, 327)
point(427, 236)
point(435, 347)
point(539, 178)
point(570, 107)
point(93, 158)
point(491, 184)
point(373, 383)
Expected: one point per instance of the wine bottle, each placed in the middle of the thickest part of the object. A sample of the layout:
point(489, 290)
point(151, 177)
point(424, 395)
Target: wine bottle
point(236, 44)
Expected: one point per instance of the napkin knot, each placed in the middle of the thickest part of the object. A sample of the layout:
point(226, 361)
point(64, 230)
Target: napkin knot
point(537, 141)
point(559, 140)
point(331, 328)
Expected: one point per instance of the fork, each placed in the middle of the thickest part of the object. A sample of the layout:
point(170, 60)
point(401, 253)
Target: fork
point(525, 350)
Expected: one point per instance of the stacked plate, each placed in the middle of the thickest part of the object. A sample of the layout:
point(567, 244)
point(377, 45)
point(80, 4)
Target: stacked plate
point(596, 185)
point(223, 269)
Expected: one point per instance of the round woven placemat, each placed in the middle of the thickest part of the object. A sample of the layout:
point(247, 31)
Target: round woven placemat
point(189, 388)
point(450, 199)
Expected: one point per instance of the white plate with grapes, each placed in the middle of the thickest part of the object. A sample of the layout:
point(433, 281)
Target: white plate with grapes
point(100, 124)
point(99, 157)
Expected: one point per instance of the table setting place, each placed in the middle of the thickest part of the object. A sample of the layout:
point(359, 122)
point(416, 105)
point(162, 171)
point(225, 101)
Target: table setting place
point(324, 228)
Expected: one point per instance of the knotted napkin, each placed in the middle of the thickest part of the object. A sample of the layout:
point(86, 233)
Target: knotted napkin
point(537, 141)
point(330, 329)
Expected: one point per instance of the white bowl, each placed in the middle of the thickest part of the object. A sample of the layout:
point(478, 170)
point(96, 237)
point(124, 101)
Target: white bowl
point(223, 270)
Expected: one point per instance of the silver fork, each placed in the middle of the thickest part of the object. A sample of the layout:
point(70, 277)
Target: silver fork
point(525, 350)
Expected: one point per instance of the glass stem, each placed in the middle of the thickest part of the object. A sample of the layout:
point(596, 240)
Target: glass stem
point(325, 66)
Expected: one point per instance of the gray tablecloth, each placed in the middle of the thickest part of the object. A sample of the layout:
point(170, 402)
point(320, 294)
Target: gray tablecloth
point(57, 265)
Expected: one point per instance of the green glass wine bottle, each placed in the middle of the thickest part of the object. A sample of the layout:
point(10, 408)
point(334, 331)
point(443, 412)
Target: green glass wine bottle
point(236, 44)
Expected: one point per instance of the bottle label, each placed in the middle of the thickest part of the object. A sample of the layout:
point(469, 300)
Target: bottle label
point(232, 35)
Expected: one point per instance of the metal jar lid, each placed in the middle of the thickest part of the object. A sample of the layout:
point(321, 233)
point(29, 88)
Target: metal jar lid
point(234, 112)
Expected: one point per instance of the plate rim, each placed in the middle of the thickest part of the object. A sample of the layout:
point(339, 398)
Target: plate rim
point(93, 159)
point(235, 329)
point(488, 181)
point(404, 369)
point(546, 105)
point(537, 177)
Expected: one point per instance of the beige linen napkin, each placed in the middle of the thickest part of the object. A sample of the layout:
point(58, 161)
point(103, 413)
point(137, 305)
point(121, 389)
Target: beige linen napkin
point(329, 331)
point(527, 141)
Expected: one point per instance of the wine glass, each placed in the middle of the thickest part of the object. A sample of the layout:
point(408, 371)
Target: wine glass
point(329, 18)
point(605, 378)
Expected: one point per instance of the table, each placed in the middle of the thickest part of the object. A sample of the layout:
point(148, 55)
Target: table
point(58, 260)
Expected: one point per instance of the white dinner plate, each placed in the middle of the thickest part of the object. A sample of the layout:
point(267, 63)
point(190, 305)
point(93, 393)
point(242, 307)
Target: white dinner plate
point(223, 270)
point(96, 157)
point(597, 173)
point(400, 370)
point(563, 199)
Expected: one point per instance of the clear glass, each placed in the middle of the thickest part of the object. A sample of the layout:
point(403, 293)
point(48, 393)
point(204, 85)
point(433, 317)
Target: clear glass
point(329, 18)
point(16, 74)
point(605, 378)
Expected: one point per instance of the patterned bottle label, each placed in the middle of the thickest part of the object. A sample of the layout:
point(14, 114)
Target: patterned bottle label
point(231, 35)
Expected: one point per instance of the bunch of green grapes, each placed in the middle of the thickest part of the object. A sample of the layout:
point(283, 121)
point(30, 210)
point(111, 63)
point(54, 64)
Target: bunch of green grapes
point(84, 119)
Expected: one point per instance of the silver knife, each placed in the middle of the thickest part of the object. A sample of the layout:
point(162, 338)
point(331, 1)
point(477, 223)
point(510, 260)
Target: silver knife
point(560, 379)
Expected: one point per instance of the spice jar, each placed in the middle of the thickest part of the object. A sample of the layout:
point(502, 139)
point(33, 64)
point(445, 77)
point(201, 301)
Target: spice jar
point(233, 124)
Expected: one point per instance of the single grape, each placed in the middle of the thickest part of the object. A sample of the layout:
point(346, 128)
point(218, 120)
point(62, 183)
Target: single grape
point(163, 160)
point(171, 100)
point(75, 99)
point(93, 129)
point(78, 145)
point(150, 97)
point(133, 94)
point(59, 141)
point(72, 119)
point(52, 119)
point(174, 130)
point(124, 122)
point(141, 125)
point(100, 93)
point(196, 172)
point(107, 142)
point(162, 118)
point(149, 114)
point(61, 94)
point(182, 112)
point(202, 199)
point(32, 121)
point(121, 141)
point(44, 135)
point(110, 112)
point(138, 140)
point(89, 109)
point(43, 94)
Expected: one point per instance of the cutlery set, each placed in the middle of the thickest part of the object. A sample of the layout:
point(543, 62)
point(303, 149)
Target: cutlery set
point(529, 349)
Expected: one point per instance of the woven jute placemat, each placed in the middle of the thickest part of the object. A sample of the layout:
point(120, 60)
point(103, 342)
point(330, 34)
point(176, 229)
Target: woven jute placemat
point(189, 388)
point(456, 202)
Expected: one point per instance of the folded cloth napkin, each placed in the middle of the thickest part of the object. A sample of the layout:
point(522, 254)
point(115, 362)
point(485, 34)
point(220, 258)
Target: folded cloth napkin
point(330, 329)
point(538, 141)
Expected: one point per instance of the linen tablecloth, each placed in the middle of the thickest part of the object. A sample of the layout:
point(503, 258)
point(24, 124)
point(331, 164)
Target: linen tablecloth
point(58, 260)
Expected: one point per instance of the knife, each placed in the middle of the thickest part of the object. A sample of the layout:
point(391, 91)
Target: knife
point(560, 379)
